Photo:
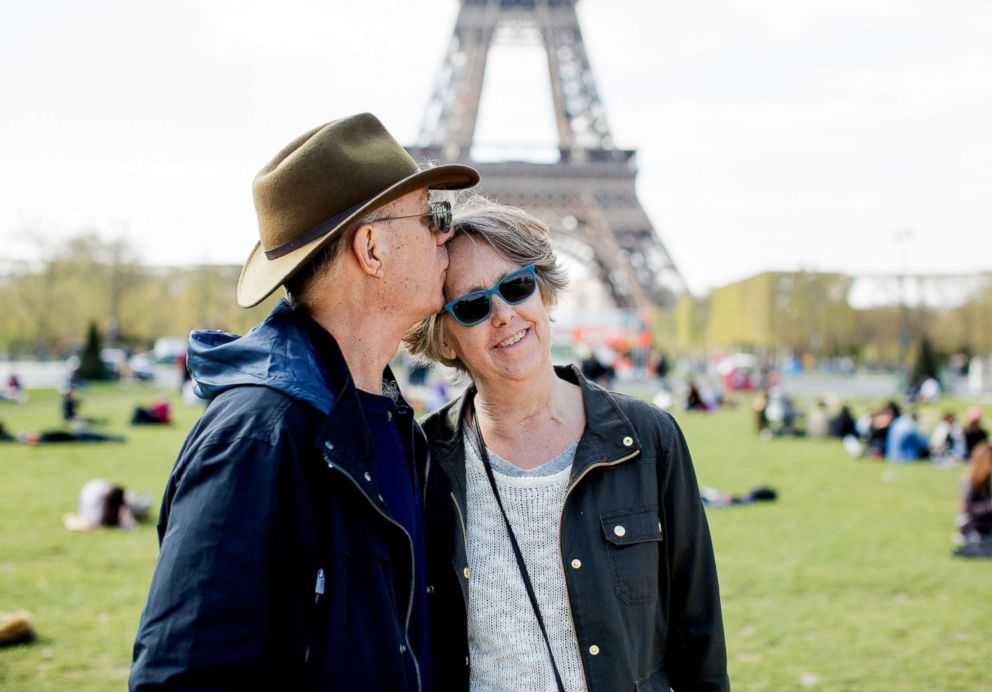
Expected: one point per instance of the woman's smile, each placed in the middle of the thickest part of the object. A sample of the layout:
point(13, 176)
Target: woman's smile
point(513, 339)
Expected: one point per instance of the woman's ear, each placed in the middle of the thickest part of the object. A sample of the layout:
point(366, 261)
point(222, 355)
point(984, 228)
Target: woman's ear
point(447, 351)
point(367, 249)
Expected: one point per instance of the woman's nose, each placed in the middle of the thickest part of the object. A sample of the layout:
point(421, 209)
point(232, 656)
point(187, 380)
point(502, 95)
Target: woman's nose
point(502, 312)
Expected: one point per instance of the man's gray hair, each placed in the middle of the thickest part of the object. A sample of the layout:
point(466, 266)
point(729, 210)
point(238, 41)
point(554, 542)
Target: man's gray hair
point(517, 237)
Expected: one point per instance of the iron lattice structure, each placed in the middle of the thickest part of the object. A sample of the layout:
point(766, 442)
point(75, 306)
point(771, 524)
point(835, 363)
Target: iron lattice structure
point(588, 196)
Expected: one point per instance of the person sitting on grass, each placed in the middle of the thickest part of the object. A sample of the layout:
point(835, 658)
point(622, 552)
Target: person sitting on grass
point(973, 430)
point(102, 505)
point(975, 517)
point(878, 431)
point(947, 443)
point(156, 414)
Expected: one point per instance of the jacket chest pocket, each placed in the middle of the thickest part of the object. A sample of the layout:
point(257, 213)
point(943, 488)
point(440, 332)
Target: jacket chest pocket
point(633, 538)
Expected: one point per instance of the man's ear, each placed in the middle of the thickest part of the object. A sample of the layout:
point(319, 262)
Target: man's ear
point(367, 249)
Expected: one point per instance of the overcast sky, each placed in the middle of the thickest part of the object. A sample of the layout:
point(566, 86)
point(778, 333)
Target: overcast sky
point(771, 134)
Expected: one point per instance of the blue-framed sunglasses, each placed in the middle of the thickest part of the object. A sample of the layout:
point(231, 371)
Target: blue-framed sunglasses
point(474, 307)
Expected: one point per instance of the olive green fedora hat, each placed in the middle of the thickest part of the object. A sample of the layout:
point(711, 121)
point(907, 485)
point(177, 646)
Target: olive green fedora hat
point(320, 183)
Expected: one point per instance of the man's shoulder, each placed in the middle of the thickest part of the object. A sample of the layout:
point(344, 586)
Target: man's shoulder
point(253, 412)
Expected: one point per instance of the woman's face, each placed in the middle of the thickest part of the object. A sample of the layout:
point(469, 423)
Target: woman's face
point(514, 342)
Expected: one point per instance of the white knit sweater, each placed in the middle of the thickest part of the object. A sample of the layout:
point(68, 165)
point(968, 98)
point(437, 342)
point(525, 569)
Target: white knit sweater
point(507, 650)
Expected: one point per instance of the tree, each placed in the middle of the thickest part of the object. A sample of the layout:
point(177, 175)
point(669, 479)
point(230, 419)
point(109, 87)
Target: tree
point(91, 365)
point(927, 363)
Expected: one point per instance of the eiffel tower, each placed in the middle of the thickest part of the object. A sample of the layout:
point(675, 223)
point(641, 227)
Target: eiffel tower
point(587, 197)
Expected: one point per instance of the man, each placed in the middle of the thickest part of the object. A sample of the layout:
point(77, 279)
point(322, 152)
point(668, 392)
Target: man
point(291, 535)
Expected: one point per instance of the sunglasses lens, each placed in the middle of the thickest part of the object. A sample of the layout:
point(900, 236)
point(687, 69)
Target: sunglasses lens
point(517, 287)
point(470, 311)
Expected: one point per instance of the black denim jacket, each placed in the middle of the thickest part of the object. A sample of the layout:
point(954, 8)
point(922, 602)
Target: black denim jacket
point(644, 598)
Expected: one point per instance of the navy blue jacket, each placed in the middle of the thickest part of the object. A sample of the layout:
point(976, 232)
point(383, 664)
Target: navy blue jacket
point(280, 566)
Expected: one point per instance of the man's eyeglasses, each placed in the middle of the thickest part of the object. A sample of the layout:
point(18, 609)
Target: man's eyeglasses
point(472, 308)
point(440, 215)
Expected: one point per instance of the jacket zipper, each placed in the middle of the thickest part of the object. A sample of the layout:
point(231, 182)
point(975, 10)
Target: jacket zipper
point(413, 564)
point(461, 520)
point(561, 552)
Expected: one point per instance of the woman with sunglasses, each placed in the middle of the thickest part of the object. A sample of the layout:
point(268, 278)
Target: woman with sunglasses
point(567, 545)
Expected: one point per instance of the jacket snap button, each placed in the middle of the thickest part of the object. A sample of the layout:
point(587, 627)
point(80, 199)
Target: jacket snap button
point(576, 563)
point(329, 444)
point(402, 648)
point(389, 415)
point(594, 650)
point(619, 530)
point(466, 572)
point(430, 588)
point(628, 441)
point(368, 476)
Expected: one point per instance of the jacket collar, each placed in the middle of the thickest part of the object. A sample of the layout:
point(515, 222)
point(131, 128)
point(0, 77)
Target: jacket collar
point(344, 438)
point(608, 435)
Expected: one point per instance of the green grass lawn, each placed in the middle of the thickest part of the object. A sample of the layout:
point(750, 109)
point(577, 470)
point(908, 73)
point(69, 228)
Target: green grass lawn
point(846, 582)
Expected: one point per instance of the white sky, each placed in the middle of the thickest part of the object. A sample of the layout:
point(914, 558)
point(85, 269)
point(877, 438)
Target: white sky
point(772, 134)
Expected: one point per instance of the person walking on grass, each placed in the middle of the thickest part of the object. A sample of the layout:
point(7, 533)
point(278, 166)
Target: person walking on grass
point(292, 540)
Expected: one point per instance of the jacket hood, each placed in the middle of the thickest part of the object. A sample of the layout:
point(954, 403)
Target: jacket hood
point(277, 353)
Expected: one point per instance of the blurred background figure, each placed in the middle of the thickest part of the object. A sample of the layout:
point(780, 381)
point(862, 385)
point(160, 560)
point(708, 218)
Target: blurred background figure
point(818, 422)
point(904, 441)
point(975, 511)
point(947, 443)
point(156, 414)
point(14, 391)
point(104, 505)
point(974, 433)
point(877, 432)
point(843, 424)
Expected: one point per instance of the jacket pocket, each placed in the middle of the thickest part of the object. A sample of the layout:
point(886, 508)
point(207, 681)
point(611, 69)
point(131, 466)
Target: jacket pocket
point(632, 537)
point(653, 682)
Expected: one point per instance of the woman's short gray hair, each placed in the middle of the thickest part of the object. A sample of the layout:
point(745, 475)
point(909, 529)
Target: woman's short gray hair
point(516, 236)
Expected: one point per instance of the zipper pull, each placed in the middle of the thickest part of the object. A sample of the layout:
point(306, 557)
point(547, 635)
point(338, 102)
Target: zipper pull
point(318, 589)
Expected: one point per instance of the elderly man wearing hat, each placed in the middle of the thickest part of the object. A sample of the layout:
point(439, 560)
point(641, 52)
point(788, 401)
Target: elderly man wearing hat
point(292, 549)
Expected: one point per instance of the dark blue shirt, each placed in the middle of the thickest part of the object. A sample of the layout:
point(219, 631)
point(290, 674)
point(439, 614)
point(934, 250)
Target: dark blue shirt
point(398, 484)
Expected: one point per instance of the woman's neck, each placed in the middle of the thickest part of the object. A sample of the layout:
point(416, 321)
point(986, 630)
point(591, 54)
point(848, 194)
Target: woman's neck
point(529, 421)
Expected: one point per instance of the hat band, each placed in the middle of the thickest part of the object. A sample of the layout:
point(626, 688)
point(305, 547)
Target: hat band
point(313, 233)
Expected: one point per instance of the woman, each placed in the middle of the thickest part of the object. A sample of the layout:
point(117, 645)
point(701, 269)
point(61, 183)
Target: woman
point(597, 491)
point(975, 518)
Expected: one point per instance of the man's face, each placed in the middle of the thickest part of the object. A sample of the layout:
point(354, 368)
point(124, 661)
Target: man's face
point(418, 258)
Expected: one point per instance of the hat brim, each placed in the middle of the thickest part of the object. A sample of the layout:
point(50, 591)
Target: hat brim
point(261, 276)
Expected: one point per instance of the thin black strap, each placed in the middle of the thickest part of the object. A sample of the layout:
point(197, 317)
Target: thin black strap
point(516, 549)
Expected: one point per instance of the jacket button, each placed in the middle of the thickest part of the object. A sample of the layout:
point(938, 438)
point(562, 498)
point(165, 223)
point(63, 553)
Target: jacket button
point(466, 572)
point(389, 415)
point(368, 476)
point(430, 588)
point(402, 648)
point(329, 444)
point(576, 563)
point(628, 441)
point(619, 530)
point(594, 650)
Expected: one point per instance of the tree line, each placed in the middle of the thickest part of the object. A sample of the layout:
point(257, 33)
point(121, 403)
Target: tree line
point(48, 304)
